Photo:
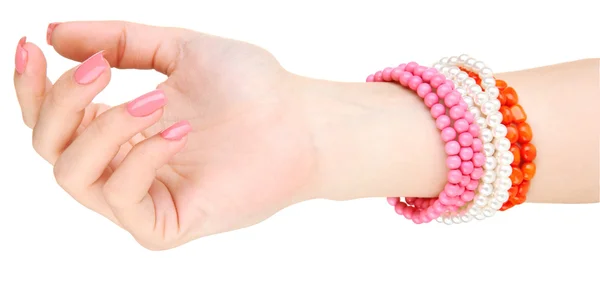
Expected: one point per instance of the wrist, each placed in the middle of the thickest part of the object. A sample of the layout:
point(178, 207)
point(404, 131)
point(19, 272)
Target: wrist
point(371, 140)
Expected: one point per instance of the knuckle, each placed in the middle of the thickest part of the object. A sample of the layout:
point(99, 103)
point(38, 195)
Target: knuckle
point(62, 176)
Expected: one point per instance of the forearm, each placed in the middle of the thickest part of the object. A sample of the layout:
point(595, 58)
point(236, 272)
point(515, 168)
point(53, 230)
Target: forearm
point(378, 139)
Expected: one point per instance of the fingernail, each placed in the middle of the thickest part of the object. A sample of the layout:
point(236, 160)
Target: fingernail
point(49, 31)
point(147, 103)
point(90, 69)
point(177, 131)
point(21, 56)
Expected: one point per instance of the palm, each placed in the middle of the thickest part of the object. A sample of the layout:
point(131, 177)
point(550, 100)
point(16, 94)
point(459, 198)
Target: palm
point(247, 156)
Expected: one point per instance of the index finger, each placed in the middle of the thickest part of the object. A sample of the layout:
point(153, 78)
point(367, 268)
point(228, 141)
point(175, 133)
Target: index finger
point(126, 45)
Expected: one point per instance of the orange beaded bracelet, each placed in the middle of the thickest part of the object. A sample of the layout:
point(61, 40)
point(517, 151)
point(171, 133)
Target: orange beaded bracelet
point(519, 134)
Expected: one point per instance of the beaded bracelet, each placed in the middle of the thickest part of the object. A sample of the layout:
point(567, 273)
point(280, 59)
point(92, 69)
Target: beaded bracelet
point(459, 132)
point(482, 97)
point(519, 134)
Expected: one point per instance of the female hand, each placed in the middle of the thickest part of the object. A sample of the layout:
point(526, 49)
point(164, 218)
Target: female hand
point(248, 155)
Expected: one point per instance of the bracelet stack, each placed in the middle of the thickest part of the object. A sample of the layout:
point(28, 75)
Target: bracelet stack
point(486, 137)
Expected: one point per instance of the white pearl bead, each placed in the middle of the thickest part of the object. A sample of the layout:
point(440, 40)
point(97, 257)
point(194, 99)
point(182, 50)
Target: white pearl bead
point(470, 62)
point(453, 60)
point(479, 216)
point(470, 81)
point(438, 66)
point(444, 60)
point(475, 112)
point(502, 144)
point(460, 77)
point(474, 210)
point(493, 92)
point(489, 176)
point(474, 89)
point(485, 189)
point(502, 196)
point(502, 184)
point(505, 158)
point(469, 101)
point(439, 219)
point(487, 108)
point(496, 103)
point(481, 98)
point(481, 122)
point(495, 204)
point(461, 90)
point(453, 71)
point(488, 82)
point(499, 130)
point(487, 212)
point(486, 135)
point(445, 69)
point(456, 219)
point(466, 218)
point(494, 119)
point(480, 200)
point(490, 163)
point(489, 149)
point(486, 72)
point(478, 66)
point(448, 220)
point(504, 170)
point(463, 58)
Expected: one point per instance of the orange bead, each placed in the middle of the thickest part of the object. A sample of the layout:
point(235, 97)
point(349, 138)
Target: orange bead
point(517, 200)
point(507, 205)
point(528, 152)
point(511, 96)
point(517, 112)
point(502, 99)
point(517, 176)
point(525, 134)
point(507, 117)
point(513, 191)
point(514, 149)
point(523, 189)
point(512, 133)
point(528, 170)
point(501, 84)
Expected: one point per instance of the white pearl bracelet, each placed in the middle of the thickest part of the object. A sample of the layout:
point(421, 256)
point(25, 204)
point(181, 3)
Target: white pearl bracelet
point(492, 191)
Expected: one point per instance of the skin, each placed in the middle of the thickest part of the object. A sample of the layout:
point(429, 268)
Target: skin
point(263, 138)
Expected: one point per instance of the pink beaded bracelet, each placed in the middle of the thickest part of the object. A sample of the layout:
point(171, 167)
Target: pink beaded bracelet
point(459, 132)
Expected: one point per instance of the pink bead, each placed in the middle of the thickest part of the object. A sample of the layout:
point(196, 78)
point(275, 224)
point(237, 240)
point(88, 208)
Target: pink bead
point(473, 185)
point(469, 117)
point(425, 217)
point(477, 173)
point(452, 208)
point(466, 179)
point(432, 213)
point(450, 83)
point(443, 91)
point(401, 67)
point(411, 66)
point(452, 148)
point(438, 206)
point(423, 89)
point(378, 77)
point(408, 212)
point(474, 129)
point(453, 162)
point(463, 104)
point(386, 75)
point(459, 203)
point(417, 219)
point(414, 82)
point(445, 199)
point(442, 122)
point(466, 168)
point(399, 209)
point(453, 190)
point(437, 80)
point(393, 200)
point(437, 110)
point(456, 112)
point(448, 134)
point(428, 74)
point(467, 196)
point(478, 159)
point(418, 203)
point(396, 74)
point(410, 200)
point(404, 78)
point(419, 70)
point(452, 99)
point(477, 145)
point(454, 176)
point(465, 139)
point(371, 78)
point(431, 99)
point(466, 153)
point(461, 125)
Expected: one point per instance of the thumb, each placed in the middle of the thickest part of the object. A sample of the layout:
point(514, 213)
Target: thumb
point(126, 45)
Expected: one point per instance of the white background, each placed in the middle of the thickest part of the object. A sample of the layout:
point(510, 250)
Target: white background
point(45, 235)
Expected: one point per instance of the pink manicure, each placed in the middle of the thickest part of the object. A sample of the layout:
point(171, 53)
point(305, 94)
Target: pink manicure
point(177, 131)
point(147, 104)
point(21, 56)
point(49, 31)
point(90, 69)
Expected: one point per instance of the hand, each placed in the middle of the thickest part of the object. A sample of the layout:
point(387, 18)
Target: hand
point(248, 155)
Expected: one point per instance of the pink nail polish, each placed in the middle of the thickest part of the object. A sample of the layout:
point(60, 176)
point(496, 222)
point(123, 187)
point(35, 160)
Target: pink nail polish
point(21, 56)
point(90, 69)
point(49, 31)
point(147, 103)
point(177, 131)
